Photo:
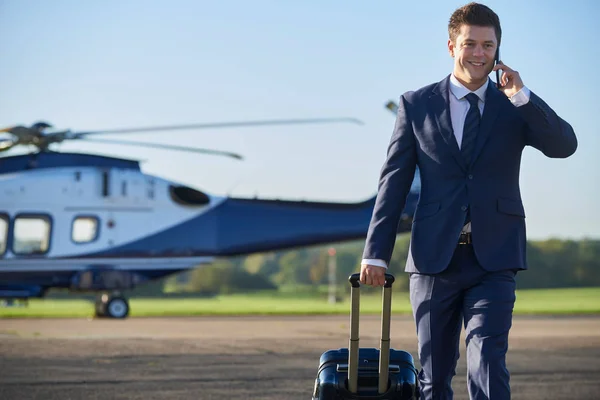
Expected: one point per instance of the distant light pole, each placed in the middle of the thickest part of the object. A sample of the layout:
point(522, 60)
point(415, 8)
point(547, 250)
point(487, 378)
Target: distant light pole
point(332, 272)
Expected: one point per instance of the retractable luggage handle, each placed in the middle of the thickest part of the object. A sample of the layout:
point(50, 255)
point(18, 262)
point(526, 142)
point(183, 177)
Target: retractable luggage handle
point(384, 352)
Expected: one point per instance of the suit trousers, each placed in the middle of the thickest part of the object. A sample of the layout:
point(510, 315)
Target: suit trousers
point(483, 301)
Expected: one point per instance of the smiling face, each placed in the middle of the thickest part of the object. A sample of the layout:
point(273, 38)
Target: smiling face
point(473, 51)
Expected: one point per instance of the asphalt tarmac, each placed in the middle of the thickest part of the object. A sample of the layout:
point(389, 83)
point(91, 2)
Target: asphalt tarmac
point(257, 357)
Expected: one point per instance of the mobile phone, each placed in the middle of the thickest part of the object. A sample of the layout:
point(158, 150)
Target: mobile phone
point(496, 59)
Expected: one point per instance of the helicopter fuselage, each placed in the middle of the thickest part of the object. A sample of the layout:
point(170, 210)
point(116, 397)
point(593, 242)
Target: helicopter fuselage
point(96, 223)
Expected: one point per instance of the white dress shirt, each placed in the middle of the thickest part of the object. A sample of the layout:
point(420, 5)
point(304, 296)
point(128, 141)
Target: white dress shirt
point(459, 106)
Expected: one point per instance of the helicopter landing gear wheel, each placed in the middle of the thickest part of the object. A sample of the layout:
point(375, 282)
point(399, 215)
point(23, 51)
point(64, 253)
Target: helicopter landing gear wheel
point(111, 306)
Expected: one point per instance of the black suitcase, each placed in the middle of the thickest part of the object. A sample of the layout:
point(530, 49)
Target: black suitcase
point(367, 373)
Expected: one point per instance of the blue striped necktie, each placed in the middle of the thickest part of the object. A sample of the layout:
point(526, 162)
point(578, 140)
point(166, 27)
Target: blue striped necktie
point(471, 128)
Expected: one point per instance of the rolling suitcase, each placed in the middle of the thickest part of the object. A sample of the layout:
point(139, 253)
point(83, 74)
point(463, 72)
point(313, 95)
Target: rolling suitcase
point(367, 373)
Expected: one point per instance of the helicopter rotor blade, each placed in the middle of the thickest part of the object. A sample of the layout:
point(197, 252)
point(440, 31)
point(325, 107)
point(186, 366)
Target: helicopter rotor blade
point(167, 147)
point(77, 135)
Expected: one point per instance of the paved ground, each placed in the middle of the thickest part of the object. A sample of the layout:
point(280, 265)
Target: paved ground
point(255, 357)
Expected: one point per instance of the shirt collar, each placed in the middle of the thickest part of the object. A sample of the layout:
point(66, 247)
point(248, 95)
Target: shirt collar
point(459, 90)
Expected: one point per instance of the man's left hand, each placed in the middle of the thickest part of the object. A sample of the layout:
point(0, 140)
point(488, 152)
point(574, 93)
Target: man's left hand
point(510, 79)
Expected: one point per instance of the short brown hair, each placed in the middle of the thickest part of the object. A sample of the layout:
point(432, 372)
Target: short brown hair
point(473, 14)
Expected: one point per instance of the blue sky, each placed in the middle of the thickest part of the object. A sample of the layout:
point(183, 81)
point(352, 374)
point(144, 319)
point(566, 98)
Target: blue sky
point(91, 65)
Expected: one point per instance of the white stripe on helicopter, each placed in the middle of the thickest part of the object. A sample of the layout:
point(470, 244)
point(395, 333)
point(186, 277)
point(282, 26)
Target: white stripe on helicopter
point(137, 263)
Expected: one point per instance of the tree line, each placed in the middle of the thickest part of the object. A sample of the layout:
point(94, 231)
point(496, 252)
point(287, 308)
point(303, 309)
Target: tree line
point(552, 263)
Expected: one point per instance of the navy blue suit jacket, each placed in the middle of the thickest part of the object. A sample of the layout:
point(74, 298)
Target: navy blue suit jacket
point(423, 136)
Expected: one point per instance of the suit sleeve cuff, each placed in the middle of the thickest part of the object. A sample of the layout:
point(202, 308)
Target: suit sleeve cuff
point(375, 262)
point(521, 97)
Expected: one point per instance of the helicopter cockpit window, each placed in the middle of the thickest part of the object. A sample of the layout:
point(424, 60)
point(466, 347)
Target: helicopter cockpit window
point(31, 235)
point(3, 233)
point(85, 229)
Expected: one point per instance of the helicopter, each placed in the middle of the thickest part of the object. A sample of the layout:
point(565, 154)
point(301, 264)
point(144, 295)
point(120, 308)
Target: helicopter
point(99, 224)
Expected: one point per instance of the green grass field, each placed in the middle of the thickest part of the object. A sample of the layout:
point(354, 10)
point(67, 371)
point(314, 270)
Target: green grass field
point(542, 301)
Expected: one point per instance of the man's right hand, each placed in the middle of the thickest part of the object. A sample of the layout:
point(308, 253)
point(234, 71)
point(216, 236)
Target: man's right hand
point(372, 275)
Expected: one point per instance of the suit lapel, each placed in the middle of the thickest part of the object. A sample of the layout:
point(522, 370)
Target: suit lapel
point(440, 106)
point(491, 109)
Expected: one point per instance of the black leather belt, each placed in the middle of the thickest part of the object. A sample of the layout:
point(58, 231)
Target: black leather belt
point(465, 238)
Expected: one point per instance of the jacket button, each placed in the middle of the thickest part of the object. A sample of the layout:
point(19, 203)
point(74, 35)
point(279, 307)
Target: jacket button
point(470, 176)
point(464, 208)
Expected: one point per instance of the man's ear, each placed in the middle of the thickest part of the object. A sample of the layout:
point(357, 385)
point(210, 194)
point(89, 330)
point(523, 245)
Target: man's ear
point(451, 47)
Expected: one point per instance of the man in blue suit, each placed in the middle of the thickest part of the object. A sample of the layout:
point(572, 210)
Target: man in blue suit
point(468, 235)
